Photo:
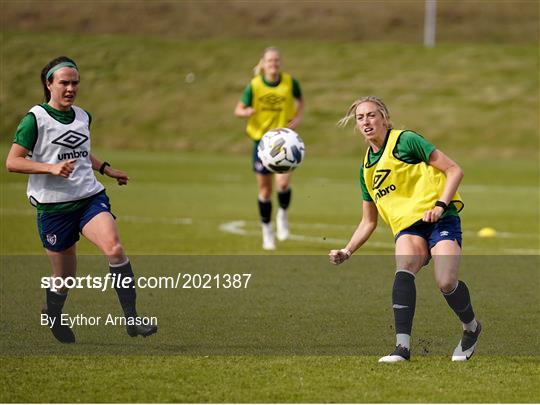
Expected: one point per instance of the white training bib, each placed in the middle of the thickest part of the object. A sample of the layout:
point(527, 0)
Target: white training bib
point(57, 142)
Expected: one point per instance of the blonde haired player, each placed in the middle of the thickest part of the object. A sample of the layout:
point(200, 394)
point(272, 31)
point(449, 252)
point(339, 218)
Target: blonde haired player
point(273, 99)
point(413, 187)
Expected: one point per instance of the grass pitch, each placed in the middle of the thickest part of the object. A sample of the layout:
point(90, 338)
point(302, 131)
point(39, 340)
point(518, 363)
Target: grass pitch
point(303, 331)
point(310, 332)
point(270, 379)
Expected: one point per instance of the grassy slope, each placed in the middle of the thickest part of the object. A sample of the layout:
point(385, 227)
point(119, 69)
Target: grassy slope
point(501, 21)
point(475, 100)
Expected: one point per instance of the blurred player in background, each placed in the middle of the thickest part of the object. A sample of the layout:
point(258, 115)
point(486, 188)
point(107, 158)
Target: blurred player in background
point(413, 186)
point(52, 145)
point(272, 99)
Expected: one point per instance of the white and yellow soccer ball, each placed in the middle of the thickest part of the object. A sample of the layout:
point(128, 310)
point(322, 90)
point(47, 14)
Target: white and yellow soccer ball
point(281, 150)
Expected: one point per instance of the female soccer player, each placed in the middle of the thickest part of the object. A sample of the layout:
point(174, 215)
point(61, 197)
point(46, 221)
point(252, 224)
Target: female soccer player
point(52, 145)
point(413, 186)
point(272, 99)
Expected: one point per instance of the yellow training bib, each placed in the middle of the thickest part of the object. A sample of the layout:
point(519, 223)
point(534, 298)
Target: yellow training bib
point(403, 191)
point(274, 106)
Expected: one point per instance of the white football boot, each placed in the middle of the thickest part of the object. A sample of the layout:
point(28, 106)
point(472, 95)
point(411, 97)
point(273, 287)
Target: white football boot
point(268, 237)
point(467, 345)
point(282, 224)
point(400, 354)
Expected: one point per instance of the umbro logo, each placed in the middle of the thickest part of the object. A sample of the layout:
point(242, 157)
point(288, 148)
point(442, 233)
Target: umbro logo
point(380, 177)
point(272, 99)
point(444, 233)
point(70, 139)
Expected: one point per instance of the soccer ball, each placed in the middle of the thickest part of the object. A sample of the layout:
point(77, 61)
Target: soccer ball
point(281, 150)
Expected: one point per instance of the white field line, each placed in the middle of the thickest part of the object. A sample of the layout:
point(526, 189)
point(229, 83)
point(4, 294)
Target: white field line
point(189, 221)
point(238, 228)
point(124, 218)
point(351, 228)
point(153, 220)
point(470, 188)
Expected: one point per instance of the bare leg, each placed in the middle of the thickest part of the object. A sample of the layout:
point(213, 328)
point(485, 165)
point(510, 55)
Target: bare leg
point(64, 263)
point(103, 232)
point(411, 253)
point(283, 181)
point(446, 257)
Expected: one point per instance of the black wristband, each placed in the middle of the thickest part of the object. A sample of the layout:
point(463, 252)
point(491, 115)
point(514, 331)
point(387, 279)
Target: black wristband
point(441, 204)
point(103, 166)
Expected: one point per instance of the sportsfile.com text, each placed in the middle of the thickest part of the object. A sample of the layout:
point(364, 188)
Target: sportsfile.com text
point(182, 281)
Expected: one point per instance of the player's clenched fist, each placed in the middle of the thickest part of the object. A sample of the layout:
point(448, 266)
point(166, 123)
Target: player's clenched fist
point(433, 215)
point(63, 169)
point(339, 256)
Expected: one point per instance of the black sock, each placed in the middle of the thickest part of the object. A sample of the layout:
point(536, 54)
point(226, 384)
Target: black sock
point(460, 302)
point(265, 209)
point(404, 301)
point(284, 198)
point(126, 295)
point(55, 302)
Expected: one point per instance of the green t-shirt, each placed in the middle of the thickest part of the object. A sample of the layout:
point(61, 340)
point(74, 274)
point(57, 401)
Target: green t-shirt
point(247, 95)
point(411, 148)
point(26, 135)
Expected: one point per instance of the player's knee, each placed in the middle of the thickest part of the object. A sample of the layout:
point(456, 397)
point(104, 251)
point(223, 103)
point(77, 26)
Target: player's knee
point(265, 193)
point(412, 263)
point(282, 186)
point(446, 285)
point(114, 250)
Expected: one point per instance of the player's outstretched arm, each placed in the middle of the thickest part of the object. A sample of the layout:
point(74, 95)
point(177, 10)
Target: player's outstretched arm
point(360, 236)
point(120, 176)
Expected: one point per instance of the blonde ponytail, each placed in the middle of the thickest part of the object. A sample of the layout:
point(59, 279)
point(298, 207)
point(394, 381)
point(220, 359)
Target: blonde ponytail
point(258, 69)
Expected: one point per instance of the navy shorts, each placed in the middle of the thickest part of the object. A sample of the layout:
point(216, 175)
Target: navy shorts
point(257, 164)
point(447, 228)
point(60, 230)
